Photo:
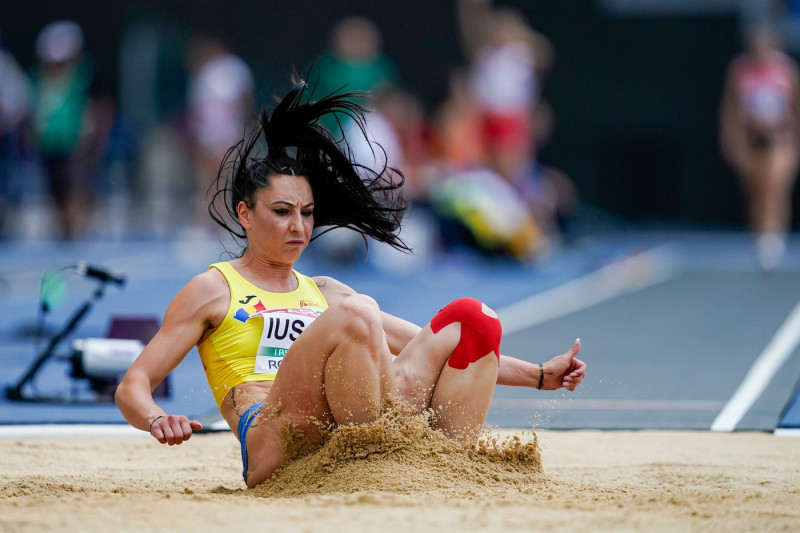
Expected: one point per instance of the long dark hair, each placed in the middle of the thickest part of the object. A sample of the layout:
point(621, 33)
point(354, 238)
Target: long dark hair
point(346, 193)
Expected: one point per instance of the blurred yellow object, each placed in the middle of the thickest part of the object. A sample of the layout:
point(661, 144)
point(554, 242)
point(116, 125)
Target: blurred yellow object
point(491, 210)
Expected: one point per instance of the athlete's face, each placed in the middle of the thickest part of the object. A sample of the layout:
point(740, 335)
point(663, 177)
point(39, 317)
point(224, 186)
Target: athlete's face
point(282, 220)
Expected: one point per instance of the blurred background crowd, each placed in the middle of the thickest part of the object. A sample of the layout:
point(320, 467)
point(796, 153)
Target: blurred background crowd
point(518, 124)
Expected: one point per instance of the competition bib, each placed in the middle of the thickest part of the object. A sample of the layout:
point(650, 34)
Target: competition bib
point(281, 329)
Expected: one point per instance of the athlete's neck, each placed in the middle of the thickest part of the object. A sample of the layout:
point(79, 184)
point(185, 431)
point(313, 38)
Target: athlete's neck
point(269, 275)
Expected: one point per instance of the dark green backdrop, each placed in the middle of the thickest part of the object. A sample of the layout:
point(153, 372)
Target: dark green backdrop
point(635, 98)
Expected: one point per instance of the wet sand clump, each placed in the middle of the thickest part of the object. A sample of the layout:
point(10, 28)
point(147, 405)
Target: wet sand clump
point(404, 455)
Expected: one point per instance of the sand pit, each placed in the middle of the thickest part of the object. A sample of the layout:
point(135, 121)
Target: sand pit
point(581, 481)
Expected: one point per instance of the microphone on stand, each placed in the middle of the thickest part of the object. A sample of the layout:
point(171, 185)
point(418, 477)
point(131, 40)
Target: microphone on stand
point(101, 274)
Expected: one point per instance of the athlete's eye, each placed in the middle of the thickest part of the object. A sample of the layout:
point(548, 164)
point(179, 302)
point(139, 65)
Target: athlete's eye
point(308, 213)
point(281, 212)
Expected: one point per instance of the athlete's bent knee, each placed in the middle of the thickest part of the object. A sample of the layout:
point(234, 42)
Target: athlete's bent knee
point(480, 332)
point(363, 317)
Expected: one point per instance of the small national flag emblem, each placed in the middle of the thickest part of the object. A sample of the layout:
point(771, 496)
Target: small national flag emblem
point(243, 314)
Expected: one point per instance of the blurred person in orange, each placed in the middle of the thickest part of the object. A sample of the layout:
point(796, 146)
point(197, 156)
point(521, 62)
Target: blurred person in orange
point(458, 125)
point(759, 127)
point(479, 207)
point(508, 62)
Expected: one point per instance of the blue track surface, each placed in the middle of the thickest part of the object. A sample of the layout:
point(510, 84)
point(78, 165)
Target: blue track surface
point(711, 267)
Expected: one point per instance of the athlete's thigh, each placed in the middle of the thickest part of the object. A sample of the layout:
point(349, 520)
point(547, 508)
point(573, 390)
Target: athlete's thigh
point(298, 387)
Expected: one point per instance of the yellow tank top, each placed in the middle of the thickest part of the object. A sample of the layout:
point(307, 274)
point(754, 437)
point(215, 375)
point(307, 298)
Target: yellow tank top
point(257, 330)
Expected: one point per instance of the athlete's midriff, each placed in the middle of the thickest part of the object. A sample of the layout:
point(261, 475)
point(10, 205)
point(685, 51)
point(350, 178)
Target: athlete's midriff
point(240, 398)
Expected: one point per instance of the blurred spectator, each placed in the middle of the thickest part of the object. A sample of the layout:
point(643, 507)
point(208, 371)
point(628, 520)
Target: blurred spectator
point(354, 62)
point(476, 207)
point(759, 136)
point(508, 60)
point(375, 147)
point(494, 195)
point(14, 107)
point(458, 126)
point(70, 123)
point(397, 122)
point(398, 134)
point(220, 101)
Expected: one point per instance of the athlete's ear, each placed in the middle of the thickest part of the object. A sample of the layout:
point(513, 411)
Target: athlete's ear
point(244, 215)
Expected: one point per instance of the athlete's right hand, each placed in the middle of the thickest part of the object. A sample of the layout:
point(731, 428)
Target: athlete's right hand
point(174, 429)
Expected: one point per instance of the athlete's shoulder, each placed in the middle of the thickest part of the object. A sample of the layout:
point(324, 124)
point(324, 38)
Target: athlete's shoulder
point(207, 290)
point(212, 280)
point(205, 298)
point(332, 289)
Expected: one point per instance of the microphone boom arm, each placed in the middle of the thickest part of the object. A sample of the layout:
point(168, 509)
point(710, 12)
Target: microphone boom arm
point(15, 392)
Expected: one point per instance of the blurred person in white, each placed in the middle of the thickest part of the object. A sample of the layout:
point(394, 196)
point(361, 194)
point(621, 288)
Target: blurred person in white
point(378, 146)
point(384, 143)
point(220, 101)
point(70, 123)
point(508, 61)
point(14, 107)
point(759, 135)
point(396, 124)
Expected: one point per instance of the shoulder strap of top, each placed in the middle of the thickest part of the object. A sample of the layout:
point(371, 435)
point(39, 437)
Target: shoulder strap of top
point(309, 284)
point(230, 273)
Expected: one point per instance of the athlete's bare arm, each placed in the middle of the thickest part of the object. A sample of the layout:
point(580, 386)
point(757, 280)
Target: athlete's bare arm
point(197, 308)
point(564, 370)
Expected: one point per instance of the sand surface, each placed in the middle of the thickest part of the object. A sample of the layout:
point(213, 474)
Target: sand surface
point(580, 481)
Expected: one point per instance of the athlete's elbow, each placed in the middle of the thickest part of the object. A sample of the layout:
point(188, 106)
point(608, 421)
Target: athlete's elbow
point(121, 394)
point(125, 392)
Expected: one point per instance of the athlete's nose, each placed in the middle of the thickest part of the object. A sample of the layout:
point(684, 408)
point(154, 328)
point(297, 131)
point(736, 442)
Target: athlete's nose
point(296, 222)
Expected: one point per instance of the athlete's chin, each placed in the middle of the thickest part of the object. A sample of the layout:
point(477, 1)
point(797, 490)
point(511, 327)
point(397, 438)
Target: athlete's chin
point(294, 251)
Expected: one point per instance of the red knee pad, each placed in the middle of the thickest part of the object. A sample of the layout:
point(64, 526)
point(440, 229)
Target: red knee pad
point(480, 334)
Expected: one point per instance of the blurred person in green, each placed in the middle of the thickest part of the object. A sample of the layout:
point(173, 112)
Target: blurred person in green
point(354, 62)
point(69, 124)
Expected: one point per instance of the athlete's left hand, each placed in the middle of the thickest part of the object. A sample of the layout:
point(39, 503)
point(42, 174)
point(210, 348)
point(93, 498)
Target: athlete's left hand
point(174, 429)
point(564, 370)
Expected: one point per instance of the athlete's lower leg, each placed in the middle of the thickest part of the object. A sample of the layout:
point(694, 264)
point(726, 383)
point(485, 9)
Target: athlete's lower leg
point(461, 397)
